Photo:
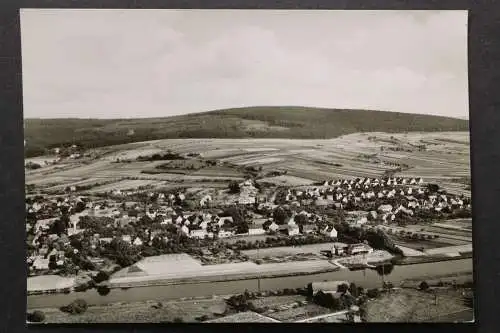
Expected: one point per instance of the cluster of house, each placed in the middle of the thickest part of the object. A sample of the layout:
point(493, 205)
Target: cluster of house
point(407, 192)
point(41, 260)
point(393, 197)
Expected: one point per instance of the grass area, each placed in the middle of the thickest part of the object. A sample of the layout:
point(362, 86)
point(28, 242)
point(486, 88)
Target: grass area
point(431, 258)
point(299, 313)
point(273, 122)
point(141, 312)
point(410, 305)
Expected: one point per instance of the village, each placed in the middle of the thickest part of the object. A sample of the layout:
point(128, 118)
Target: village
point(67, 234)
point(109, 234)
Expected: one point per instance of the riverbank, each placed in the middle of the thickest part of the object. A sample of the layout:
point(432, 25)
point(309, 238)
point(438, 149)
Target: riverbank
point(402, 304)
point(183, 269)
point(367, 278)
point(216, 278)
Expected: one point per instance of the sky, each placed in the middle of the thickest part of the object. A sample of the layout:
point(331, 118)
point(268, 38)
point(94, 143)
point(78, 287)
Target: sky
point(98, 63)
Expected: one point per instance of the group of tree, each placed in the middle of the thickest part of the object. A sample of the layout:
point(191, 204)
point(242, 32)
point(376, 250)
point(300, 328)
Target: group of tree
point(376, 238)
point(161, 157)
point(281, 196)
point(243, 302)
point(78, 306)
point(281, 214)
point(270, 242)
point(234, 187)
point(32, 166)
point(341, 300)
point(36, 316)
point(238, 214)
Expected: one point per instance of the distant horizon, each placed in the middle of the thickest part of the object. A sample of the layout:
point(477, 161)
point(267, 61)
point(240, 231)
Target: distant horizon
point(243, 107)
point(128, 63)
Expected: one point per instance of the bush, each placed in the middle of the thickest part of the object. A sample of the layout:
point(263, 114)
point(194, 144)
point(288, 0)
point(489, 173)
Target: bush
point(101, 277)
point(36, 317)
point(178, 320)
point(234, 187)
point(78, 306)
point(32, 166)
point(202, 318)
point(103, 290)
point(373, 293)
point(423, 286)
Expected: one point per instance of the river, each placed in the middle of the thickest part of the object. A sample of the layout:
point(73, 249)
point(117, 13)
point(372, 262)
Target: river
point(365, 278)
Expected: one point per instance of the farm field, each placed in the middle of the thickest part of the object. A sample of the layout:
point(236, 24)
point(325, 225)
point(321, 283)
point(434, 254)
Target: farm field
point(306, 161)
point(142, 312)
point(410, 305)
point(450, 250)
point(299, 313)
point(180, 267)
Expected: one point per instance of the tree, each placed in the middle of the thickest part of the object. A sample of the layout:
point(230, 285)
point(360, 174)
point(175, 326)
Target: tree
point(423, 286)
point(52, 262)
point(433, 188)
point(373, 293)
point(36, 316)
point(76, 307)
point(280, 215)
point(103, 290)
point(281, 195)
point(234, 187)
point(353, 289)
point(342, 288)
point(80, 206)
point(384, 269)
point(101, 277)
point(242, 228)
point(58, 227)
point(301, 219)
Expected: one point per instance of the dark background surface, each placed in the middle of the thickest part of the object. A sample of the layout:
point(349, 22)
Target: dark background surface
point(484, 56)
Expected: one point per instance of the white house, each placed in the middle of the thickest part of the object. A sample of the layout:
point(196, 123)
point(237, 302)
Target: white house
point(204, 225)
point(137, 242)
point(330, 231)
point(185, 230)
point(127, 238)
point(225, 233)
point(198, 233)
point(41, 264)
point(360, 248)
point(206, 200)
point(362, 220)
point(273, 227)
point(105, 240)
point(256, 230)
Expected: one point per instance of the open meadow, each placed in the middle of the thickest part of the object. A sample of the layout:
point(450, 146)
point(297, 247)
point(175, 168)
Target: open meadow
point(441, 157)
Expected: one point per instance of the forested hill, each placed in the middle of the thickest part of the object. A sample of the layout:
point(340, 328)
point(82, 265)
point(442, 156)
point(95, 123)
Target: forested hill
point(255, 122)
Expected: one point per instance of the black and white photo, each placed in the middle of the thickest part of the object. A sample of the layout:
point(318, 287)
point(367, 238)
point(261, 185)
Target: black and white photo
point(281, 166)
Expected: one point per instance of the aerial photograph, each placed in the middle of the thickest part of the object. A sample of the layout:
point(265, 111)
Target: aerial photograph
point(239, 166)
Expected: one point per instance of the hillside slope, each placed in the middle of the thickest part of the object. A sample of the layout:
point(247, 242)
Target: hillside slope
point(256, 122)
